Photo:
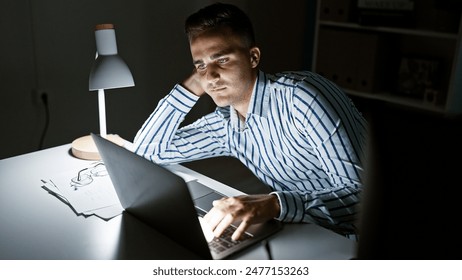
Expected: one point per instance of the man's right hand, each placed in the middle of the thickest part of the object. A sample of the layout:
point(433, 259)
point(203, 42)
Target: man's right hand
point(248, 209)
point(193, 84)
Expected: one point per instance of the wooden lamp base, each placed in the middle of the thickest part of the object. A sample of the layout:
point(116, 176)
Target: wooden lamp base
point(85, 148)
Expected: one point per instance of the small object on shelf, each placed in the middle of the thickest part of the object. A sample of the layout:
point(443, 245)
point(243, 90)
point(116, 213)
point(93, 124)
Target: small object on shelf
point(335, 10)
point(438, 15)
point(416, 75)
point(432, 96)
point(386, 12)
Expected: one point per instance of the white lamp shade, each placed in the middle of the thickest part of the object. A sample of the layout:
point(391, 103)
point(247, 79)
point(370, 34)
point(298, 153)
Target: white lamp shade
point(110, 71)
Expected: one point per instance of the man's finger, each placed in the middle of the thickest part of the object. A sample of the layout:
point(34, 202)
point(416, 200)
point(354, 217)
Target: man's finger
point(243, 226)
point(214, 217)
point(225, 222)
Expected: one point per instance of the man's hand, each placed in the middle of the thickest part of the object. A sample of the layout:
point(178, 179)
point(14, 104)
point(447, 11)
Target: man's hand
point(248, 209)
point(192, 83)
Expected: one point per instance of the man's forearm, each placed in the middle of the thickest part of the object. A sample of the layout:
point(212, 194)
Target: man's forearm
point(159, 129)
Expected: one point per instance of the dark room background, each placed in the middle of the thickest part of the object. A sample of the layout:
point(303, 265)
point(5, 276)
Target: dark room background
point(48, 47)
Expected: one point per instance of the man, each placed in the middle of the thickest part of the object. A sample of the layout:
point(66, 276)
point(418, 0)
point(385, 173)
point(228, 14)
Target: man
point(296, 131)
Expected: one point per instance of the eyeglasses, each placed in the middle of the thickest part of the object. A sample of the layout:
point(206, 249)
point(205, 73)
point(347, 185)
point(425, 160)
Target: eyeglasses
point(86, 175)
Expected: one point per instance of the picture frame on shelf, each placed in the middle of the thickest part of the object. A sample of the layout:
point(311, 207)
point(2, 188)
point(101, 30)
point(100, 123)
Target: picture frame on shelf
point(419, 77)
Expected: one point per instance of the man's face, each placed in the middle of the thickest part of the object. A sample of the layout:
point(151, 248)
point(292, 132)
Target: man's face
point(225, 66)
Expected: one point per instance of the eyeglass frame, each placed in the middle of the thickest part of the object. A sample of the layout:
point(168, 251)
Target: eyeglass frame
point(91, 172)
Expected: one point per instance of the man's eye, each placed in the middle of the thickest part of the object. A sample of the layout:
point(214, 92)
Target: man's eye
point(222, 60)
point(200, 67)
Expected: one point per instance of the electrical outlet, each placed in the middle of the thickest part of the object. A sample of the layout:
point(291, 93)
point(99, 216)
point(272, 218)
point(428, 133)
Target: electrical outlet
point(37, 96)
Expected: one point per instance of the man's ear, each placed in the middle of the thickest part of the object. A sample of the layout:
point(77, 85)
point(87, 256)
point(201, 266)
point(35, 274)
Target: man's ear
point(255, 56)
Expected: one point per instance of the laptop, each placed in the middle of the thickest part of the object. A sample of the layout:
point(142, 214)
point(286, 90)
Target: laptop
point(164, 201)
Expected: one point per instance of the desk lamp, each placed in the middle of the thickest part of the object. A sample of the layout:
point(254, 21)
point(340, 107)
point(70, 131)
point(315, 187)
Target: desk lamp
point(109, 71)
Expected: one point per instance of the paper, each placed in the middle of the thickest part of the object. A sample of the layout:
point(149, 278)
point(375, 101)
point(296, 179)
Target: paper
point(88, 191)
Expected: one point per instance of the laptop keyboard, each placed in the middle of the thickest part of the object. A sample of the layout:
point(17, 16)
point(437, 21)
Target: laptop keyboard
point(220, 244)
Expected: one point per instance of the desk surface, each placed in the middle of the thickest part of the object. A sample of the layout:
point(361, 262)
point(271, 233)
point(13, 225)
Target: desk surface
point(37, 225)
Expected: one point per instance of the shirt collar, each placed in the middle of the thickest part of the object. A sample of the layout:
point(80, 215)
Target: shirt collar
point(259, 99)
point(256, 105)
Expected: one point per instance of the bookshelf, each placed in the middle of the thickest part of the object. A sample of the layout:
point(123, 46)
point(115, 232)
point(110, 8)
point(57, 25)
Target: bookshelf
point(411, 57)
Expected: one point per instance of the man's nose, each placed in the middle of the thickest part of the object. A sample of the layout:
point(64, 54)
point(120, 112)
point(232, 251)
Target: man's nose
point(212, 74)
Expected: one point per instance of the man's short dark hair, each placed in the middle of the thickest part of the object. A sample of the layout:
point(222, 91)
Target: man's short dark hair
point(220, 15)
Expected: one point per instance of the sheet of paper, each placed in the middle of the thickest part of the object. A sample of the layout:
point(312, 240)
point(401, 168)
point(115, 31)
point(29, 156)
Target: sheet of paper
point(51, 188)
point(105, 213)
point(109, 212)
point(88, 191)
point(98, 194)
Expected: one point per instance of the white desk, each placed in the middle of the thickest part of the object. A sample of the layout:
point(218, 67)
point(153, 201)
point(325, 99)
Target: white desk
point(37, 225)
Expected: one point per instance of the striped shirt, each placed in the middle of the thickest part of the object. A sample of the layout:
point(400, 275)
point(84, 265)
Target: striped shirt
point(302, 136)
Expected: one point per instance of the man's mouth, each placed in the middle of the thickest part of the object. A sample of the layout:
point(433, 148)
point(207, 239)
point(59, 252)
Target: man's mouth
point(217, 88)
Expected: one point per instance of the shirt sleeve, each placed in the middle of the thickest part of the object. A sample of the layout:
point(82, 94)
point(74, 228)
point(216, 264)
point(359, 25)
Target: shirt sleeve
point(162, 141)
point(336, 131)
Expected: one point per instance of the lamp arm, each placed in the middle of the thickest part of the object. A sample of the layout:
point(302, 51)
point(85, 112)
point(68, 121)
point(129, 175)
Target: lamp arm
point(102, 113)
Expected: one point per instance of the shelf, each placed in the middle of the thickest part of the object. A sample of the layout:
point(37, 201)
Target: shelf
point(371, 62)
point(396, 99)
point(394, 30)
